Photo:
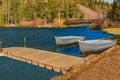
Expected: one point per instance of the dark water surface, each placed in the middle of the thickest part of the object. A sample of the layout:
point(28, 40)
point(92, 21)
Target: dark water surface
point(11, 69)
point(42, 38)
point(39, 38)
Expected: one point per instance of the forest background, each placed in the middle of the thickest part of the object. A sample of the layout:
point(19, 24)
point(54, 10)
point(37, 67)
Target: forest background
point(44, 12)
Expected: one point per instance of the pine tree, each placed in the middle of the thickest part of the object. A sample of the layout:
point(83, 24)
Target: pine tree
point(115, 12)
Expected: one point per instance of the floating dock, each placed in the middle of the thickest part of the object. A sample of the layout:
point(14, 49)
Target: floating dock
point(50, 60)
point(1, 54)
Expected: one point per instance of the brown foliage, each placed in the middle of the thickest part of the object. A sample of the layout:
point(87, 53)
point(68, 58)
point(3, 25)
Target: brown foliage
point(115, 24)
point(38, 22)
point(94, 26)
point(35, 23)
point(26, 23)
point(57, 23)
point(101, 24)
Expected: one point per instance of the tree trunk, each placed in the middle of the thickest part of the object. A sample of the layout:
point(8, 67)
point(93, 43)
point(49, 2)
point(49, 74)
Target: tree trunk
point(9, 3)
point(59, 14)
point(45, 21)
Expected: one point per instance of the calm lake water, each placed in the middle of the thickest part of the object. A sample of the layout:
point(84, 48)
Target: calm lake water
point(39, 38)
point(11, 69)
point(42, 38)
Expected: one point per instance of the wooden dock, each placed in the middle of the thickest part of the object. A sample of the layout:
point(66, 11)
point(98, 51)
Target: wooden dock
point(50, 60)
point(1, 54)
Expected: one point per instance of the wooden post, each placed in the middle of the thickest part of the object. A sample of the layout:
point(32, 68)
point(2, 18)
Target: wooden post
point(24, 41)
point(59, 14)
point(8, 14)
point(1, 47)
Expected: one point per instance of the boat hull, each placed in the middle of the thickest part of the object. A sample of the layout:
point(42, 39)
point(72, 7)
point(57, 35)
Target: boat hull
point(67, 40)
point(95, 46)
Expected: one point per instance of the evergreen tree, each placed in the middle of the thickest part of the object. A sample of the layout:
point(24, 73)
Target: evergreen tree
point(1, 17)
point(14, 11)
point(115, 12)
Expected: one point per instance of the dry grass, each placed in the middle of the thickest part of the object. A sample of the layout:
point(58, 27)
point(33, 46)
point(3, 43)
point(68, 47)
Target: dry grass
point(115, 31)
point(57, 23)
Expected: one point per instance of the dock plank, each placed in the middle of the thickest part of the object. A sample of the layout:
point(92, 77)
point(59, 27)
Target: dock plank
point(51, 60)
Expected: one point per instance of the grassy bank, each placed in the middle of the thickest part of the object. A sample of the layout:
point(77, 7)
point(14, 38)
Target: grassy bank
point(115, 31)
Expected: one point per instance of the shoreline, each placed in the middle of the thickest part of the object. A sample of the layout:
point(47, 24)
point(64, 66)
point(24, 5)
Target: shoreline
point(73, 26)
point(77, 72)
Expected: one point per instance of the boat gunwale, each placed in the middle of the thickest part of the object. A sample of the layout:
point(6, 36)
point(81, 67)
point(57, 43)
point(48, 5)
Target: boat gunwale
point(97, 42)
point(69, 37)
